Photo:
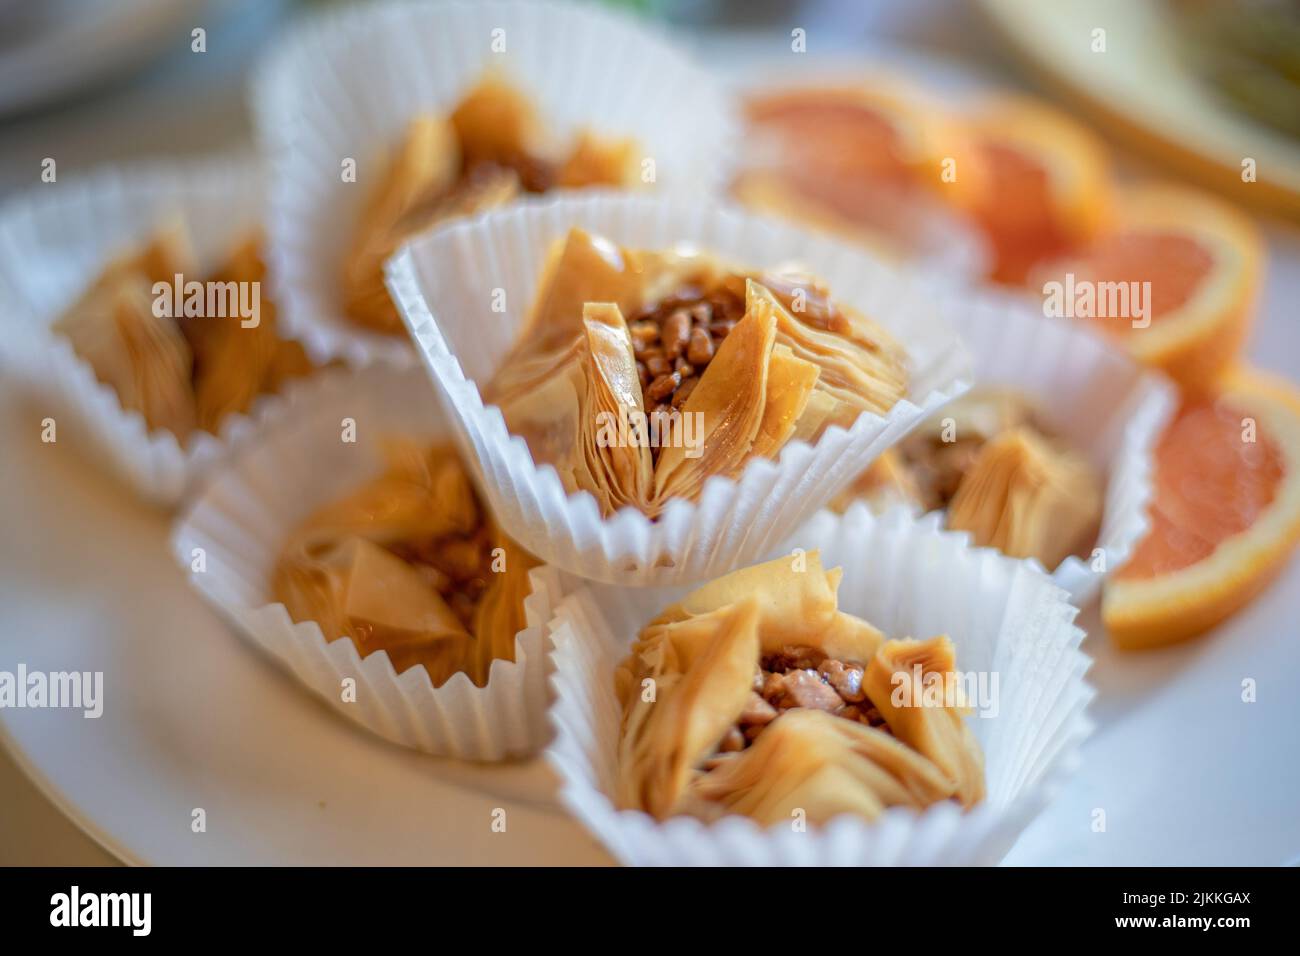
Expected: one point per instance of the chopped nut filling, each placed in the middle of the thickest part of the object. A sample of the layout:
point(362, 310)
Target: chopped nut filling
point(938, 467)
point(675, 338)
point(458, 567)
point(800, 677)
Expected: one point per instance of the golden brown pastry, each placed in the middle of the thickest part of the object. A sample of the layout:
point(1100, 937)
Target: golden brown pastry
point(998, 472)
point(641, 374)
point(412, 564)
point(146, 359)
point(1027, 498)
point(491, 148)
point(181, 371)
point(756, 695)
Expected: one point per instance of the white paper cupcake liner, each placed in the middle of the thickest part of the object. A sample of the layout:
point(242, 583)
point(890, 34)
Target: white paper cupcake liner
point(346, 84)
point(243, 516)
point(54, 241)
point(909, 579)
point(1087, 391)
point(443, 285)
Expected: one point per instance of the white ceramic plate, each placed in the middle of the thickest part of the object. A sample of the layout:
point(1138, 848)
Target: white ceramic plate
point(1185, 772)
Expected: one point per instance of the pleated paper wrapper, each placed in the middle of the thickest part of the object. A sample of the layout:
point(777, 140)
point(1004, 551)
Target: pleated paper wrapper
point(910, 579)
point(243, 516)
point(346, 84)
point(54, 241)
point(443, 285)
point(1091, 394)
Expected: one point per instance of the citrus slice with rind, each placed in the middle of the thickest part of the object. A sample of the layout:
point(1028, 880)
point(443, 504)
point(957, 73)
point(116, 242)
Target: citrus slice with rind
point(1203, 260)
point(860, 157)
point(1036, 183)
point(1224, 518)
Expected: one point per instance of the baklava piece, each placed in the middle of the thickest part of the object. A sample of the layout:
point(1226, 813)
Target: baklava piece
point(410, 563)
point(182, 371)
point(492, 148)
point(756, 695)
point(1001, 475)
point(706, 364)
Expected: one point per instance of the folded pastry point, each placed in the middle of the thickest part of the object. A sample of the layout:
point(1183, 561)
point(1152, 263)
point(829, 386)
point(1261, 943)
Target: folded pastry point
point(863, 368)
point(235, 360)
point(991, 462)
point(147, 361)
point(141, 354)
point(913, 685)
point(1027, 498)
point(729, 369)
point(382, 594)
point(823, 766)
point(729, 401)
point(617, 471)
point(490, 148)
point(423, 167)
point(600, 161)
point(495, 123)
point(794, 606)
point(181, 370)
point(582, 268)
point(756, 695)
point(410, 564)
point(699, 704)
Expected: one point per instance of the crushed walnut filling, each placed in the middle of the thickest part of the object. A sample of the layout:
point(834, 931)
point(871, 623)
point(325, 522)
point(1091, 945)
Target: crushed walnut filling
point(938, 467)
point(798, 677)
point(458, 567)
point(675, 338)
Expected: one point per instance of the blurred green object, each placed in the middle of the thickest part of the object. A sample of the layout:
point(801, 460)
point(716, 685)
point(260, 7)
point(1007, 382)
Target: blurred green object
point(1249, 51)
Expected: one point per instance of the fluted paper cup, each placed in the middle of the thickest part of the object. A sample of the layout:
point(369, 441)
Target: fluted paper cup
point(443, 284)
point(54, 241)
point(236, 527)
point(1090, 393)
point(345, 84)
point(909, 579)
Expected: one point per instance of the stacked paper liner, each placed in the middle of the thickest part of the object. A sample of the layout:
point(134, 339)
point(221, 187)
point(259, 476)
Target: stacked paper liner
point(345, 85)
point(1091, 394)
point(445, 285)
point(910, 579)
point(56, 238)
point(234, 532)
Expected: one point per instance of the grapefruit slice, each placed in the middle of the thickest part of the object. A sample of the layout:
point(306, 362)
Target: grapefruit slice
point(1034, 181)
point(856, 157)
point(1224, 518)
point(1203, 260)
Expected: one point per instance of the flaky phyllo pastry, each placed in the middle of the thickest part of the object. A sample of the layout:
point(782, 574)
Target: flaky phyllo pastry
point(181, 371)
point(641, 374)
point(492, 148)
point(755, 695)
point(1000, 474)
point(410, 563)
